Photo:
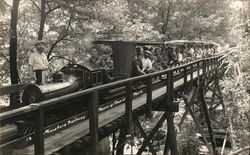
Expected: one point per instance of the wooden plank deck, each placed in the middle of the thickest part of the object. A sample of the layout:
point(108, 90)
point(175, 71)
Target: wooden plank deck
point(68, 136)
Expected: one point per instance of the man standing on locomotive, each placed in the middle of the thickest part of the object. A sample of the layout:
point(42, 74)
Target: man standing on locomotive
point(38, 63)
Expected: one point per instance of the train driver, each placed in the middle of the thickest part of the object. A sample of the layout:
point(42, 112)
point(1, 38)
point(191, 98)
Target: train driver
point(38, 63)
point(146, 62)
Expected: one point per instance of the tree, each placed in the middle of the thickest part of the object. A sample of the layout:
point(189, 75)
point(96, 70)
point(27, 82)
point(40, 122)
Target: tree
point(13, 48)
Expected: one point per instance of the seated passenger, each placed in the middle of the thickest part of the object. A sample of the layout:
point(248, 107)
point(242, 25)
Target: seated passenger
point(199, 53)
point(156, 60)
point(137, 64)
point(190, 51)
point(146, 62)
point(179, 57)
point(96, 61)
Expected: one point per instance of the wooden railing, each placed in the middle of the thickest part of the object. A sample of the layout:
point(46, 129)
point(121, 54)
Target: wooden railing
point(204, 67)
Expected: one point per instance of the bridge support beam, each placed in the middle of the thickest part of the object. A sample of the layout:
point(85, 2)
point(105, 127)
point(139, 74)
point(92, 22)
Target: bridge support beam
point(208, 120)
point(170, 143)
point(152, 133)
point(93, 122)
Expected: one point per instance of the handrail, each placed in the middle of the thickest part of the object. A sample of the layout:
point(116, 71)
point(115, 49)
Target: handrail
point(50, 102)
point(11, 89)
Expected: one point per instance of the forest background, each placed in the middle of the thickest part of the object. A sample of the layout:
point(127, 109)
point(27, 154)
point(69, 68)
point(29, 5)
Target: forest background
point(68, 27)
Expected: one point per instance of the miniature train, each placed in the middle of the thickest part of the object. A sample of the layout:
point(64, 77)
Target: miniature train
point(75, 77)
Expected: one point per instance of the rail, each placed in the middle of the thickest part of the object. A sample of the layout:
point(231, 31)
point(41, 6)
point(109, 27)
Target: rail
point(207, 65)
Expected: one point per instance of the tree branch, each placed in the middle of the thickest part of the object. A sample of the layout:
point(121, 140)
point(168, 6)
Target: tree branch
point(60, 57)
point(59, 40)
point(35, 5)
point(51, 10)
point(5, 57)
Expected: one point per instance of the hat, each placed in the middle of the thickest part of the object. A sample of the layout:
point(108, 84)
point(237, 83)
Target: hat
point(147, 52)
point(39, 42)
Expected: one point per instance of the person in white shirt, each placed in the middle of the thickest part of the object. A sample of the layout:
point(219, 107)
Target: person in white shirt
point(38, 63)
point(179, 57)
point(146, 62)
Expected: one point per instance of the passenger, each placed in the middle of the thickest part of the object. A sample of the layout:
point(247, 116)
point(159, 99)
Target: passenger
point(137, 64)
point(96, 61)
point(167, 58)
point(211, 51)
point(109, 62)
point(153, 59)
point(206, 52)
point(158, 53)
point(179, 57)
point(190, 52)
point(38, 63)
point(199, 52)
point(146, 62)
point(157, 58)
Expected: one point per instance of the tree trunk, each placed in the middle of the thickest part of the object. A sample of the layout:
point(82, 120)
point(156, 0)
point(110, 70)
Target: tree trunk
point(165, 20)
point(13, 48)
point(42, 20)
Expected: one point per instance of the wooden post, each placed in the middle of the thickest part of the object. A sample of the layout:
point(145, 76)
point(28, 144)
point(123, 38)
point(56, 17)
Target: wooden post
point(149, 97)
point(198, 69)
point(93, 122)
point(39, 129)
point(185, 79)
point(121, 141)
point(192, 74)
point(113, 143)
point(204, 70)
point(171, 136)
point(128, 108)
point(208, 120)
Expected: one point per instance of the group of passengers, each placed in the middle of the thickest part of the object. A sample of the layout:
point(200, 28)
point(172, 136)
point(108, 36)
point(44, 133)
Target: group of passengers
point(149, 60)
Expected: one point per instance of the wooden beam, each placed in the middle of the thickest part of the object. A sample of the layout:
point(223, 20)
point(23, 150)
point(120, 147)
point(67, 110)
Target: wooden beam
point(121, 141)
point(39, 129)
point(149, 97)
point(171, 135)
point(192, 76)
point(198, 68)
point(113, 143)
point(93, 122)
point(185, 79)
point(152, 133)
point(146, 139)
point(200, 130)
point(170, 88)
point(128, 108)
point(208, 120)
point(214, 92)
point(189, 102)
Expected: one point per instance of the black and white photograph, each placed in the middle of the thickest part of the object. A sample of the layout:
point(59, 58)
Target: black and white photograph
point(124, 77)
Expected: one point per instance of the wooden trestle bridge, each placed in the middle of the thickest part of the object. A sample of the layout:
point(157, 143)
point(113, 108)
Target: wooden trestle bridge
point(190, 81)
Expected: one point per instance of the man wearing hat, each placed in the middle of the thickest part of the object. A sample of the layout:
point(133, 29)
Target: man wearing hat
point(137, 64)
point(38, 63)
point(146, 62)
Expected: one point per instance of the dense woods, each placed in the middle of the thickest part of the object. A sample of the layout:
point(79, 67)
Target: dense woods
point(68, 27)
